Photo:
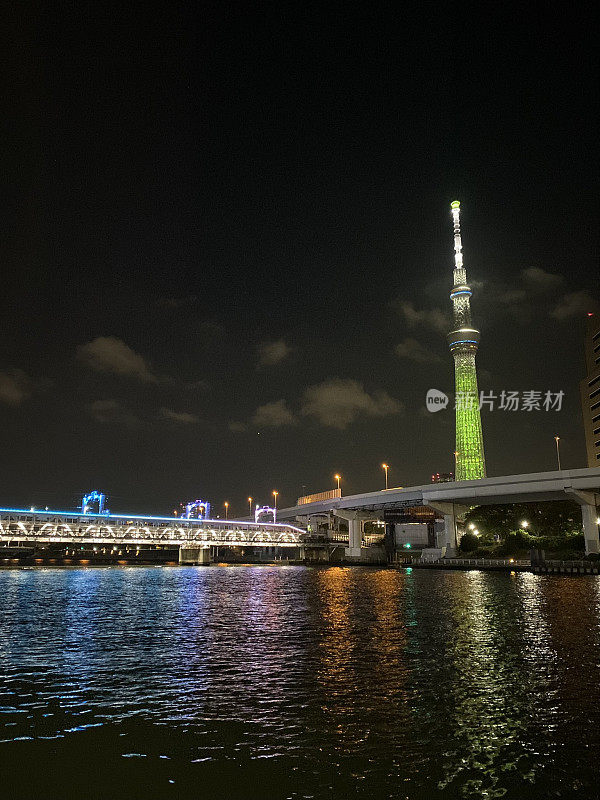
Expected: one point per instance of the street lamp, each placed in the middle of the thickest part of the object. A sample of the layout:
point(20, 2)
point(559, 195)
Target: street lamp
point(524, 524)
point(275, 496)
point(337, 478)
point(226, 509)
point(557, 440)
point(386, 467)
point(250, 505)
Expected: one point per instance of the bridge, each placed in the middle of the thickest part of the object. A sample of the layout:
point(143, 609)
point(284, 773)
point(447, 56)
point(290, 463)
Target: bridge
point(454, 498)
point(193, 537)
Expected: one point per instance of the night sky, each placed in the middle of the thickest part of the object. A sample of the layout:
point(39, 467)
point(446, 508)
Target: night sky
point(227, 245)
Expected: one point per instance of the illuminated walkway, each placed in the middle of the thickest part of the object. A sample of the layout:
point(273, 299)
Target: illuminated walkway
point(190, 535)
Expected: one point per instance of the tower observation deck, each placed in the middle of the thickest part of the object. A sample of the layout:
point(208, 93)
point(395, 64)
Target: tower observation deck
point(464, 341)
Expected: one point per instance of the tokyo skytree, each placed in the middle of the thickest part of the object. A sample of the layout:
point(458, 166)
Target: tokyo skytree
point(463, 341)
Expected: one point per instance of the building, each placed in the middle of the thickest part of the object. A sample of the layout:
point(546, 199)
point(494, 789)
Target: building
point(408, 535)
point(463, 341)
point(590, 391)
point(442, 477)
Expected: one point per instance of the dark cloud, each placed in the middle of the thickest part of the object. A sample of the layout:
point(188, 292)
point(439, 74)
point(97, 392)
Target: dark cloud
point(539, 278)
point(180, 417)
point(338, 402)
point(15, 387)
point(414, 350)
point(111, 411)
point(237, 427)
point(109, 354)
point(575, 304)
point(271, 353)
point(273, 415)
point(433, 318)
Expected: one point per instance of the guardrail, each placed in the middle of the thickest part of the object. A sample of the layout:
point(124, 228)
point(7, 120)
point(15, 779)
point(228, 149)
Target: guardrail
point(470, 563)
point(566, 567)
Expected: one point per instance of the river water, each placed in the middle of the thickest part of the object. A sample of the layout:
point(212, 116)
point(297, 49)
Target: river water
point(294, 682)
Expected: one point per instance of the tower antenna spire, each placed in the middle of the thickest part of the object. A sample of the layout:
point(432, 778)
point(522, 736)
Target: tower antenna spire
point(464, 342)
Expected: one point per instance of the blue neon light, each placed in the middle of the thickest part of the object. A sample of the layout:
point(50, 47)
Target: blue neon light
point(200, 508)
point(94, 497)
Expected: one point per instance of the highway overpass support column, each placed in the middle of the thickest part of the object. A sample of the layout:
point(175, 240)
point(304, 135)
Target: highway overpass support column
point(194, 555)
point(450, 512)
point(589, 502)
point(355, 521)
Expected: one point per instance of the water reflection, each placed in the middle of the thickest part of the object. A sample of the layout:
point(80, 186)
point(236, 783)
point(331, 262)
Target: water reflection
point(332, 682)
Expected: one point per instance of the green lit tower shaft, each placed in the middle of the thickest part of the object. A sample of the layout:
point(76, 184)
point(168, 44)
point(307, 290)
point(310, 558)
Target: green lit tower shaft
point(463, 341)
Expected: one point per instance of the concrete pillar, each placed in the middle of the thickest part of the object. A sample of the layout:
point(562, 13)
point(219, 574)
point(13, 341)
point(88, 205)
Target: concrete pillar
point(589, 515)
point(194, 555)
point(355, 521)
point(450, 541)
point(589, 502)
point(450, 512)
point(354, 537)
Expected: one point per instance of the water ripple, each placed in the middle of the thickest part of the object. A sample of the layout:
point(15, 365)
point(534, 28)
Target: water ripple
point(270, 682)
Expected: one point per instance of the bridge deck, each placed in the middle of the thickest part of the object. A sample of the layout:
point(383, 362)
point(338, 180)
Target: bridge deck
point(54, 526)
point(523, 488)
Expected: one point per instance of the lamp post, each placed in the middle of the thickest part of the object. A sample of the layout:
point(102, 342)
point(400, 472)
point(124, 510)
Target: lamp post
point(338, 478)
point(250, 505)
point(386, 467)
point(557, 440)
point(275, 496)
point(226, 510)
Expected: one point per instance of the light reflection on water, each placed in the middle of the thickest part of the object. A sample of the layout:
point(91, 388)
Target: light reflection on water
point(295, 682)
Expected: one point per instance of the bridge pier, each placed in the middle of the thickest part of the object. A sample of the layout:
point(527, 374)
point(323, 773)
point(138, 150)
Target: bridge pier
point(194, 555)
point(589, 502)
point(450, 512)
point(355, 520)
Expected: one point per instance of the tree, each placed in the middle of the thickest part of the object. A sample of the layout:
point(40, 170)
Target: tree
point(468, 543)
point(551, 518)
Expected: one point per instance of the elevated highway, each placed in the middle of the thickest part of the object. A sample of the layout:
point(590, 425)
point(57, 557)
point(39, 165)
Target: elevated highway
point(451, 499)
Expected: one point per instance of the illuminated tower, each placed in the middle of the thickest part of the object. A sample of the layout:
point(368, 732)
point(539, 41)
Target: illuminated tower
point(463, 341)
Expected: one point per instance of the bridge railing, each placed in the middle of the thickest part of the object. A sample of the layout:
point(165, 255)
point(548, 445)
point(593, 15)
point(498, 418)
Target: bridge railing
point(472, 562)
point(101, 533)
